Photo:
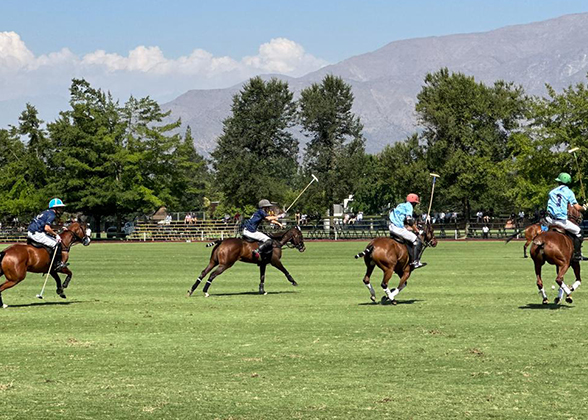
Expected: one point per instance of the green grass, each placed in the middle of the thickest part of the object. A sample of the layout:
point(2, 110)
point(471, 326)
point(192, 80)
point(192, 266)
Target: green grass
point(468, 339)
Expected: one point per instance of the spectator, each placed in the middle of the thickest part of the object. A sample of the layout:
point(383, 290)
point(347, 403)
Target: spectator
point(479, 216)
point(442, 217)
point(359, 216)
point(454, 217)
point(237, 217)
point(485, 231)
point(188, 218)
point(346, 219)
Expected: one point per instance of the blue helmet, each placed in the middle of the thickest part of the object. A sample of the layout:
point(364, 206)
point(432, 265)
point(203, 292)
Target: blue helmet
point(56, 202)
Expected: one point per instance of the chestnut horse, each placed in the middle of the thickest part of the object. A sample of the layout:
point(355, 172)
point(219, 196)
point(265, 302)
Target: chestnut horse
point(227, 252)
point(392, 257)
point(530, 232)
point(557, 248)
point(17, 259)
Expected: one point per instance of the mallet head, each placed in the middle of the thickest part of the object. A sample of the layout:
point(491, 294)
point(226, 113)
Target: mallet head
point(434, 175)
point(573, 150)
point(314, 178)
point(40, 296)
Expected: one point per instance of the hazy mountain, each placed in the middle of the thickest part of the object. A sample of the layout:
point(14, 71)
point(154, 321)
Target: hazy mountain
point(386, 81)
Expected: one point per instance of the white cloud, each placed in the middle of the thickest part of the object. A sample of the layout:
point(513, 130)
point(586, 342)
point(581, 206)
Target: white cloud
point(44, 80)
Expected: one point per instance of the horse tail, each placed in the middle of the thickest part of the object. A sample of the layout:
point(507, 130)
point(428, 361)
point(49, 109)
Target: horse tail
point(511, 237)
point(365, 252)
point(213, 243)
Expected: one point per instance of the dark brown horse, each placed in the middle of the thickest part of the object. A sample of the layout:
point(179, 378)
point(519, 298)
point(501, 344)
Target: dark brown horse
point(227, 252)
point(17, 259)
point(530, 232)
point(392, 257)
point(557, 248)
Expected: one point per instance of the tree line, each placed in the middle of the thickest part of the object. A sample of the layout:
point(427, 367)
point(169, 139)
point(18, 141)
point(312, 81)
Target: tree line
point(494, 146)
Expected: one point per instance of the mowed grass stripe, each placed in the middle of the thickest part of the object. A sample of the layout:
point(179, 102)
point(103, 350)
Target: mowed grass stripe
point(469, 339)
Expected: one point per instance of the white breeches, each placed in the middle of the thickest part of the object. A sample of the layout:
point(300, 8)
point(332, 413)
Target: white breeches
point(566, 224)
point(43, 239)
point(403, 233)
point(258, 236)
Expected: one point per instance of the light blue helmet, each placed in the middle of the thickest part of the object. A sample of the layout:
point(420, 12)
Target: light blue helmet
point(56, 202)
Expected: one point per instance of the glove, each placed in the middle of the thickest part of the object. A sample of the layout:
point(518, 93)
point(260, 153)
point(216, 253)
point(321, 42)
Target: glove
point(585, 206)
point(58, 238)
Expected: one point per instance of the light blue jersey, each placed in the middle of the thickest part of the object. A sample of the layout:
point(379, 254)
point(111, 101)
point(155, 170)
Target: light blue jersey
point(398, 215)
point(557, 205)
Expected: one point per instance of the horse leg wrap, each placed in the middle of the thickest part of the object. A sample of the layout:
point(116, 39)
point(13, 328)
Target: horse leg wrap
point(565, 288)
point(371, 289)
point(206, 286)
point(543, 294)
point(575, 286)
point(560, 293)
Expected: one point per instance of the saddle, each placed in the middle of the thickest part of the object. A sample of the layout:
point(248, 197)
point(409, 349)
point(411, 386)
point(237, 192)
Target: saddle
point(40, 245)
point(559, 229)
point(398, 239)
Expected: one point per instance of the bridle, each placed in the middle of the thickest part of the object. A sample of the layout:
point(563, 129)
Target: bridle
point(75, 238)
point(292, 235)
point(423, 234)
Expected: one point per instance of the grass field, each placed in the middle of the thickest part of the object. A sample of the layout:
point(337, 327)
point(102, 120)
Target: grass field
point(468, 339)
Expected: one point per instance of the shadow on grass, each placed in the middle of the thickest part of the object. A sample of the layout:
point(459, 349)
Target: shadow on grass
point(549, 306)
point(388, 303)
point(29, 305)
point(249, 293)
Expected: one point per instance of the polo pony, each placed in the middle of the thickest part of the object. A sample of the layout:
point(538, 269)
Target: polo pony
point(18, 259)
point(227, 252)
point(392, 256)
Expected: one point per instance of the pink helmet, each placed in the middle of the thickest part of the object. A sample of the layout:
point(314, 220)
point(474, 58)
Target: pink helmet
point(413, 198)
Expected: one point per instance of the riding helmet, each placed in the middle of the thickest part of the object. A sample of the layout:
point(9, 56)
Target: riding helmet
point(564, 178)
point(413, 198)
point(56, 202)
point(264, 203)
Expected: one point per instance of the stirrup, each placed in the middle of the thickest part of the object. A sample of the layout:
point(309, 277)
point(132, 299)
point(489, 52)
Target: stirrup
point(417, 264)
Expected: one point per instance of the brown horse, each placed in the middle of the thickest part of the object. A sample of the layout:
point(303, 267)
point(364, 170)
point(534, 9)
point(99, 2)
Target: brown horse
point(557, 248)
point(392, 257)
point(531, 232)
point(17, 259)
point(227, 252)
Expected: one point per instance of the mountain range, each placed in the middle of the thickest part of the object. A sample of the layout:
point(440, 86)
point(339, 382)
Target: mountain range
point(386, 82)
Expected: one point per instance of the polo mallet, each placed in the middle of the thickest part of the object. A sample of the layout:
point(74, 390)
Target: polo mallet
point(435, 176)
point(40, 295)
point(314, 178)
point(573, 151)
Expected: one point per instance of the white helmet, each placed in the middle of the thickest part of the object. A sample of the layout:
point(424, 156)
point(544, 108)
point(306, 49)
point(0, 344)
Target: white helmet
point(264, 203)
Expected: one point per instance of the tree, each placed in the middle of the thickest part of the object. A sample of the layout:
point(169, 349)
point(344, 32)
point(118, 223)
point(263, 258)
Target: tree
point(189, 180)
point(467, 127)
point(256, 155)
point(559, 122)
point(335, 152)
point(110, 160)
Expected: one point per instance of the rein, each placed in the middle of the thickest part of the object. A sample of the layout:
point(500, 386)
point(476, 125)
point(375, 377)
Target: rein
point(75, 238)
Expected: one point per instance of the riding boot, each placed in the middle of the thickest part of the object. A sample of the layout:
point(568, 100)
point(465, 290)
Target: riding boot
point(577, 248)
point(417, 251)
point(262, 249)
point(266, 248)
point(57, 263)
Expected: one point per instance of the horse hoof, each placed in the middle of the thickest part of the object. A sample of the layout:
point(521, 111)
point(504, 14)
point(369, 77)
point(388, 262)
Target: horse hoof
point(373, 299)
point(545, 301)
point(294, 283)
point(556, 300)
point(189, 294)
point(206, 295)
point(394, 302)
point(569, 299)
point(4, 306)
point(384, 300)
point(526, 256)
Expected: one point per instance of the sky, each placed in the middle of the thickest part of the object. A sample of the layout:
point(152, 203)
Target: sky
point(165, 48)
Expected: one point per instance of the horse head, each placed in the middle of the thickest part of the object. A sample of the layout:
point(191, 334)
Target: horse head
point(79, 233)
point(427, 234)
point(296, 239)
